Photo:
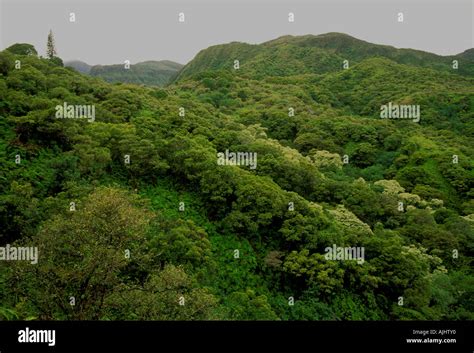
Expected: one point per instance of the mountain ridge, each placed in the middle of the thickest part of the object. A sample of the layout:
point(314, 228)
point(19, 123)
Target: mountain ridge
point(150, 72)
point(316, 54)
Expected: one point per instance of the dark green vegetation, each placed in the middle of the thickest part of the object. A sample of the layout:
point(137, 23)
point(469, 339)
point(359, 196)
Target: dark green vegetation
point(189, 254)
point(152, 73)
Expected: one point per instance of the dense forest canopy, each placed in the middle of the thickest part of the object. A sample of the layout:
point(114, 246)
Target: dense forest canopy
point(135, 218)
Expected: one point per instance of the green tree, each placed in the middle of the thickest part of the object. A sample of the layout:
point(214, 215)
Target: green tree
point(22, 49)
point(83, 255)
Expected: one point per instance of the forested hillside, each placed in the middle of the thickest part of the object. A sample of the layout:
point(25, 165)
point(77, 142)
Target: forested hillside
point(293, 55)
point(152, 73)
point(135, 217)
point(79, 65)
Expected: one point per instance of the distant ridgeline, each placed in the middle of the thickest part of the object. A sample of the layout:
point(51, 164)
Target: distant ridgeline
point(296, 55)
point(152, 73)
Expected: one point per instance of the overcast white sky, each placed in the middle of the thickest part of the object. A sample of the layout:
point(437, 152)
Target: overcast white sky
point(107, 31)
